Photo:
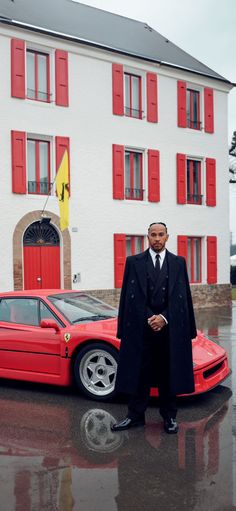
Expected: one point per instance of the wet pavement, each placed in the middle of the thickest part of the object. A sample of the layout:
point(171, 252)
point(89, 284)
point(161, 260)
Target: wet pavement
point(57, 452)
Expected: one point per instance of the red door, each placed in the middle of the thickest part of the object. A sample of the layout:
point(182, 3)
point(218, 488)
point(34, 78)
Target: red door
point(42, 267)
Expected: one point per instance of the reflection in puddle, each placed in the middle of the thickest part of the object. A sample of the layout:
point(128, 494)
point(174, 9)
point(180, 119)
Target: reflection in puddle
point(96, 433)
point(57, 452)
point(53, 459)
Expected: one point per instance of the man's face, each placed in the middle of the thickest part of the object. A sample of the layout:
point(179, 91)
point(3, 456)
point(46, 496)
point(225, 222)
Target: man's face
point(157, 237)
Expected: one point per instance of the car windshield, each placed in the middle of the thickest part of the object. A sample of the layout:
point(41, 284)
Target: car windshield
point(79, 307)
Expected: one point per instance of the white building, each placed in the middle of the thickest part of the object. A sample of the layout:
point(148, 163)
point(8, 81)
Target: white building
point(145, 125)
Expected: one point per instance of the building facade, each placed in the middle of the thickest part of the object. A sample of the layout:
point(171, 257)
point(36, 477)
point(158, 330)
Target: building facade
point(147, 141)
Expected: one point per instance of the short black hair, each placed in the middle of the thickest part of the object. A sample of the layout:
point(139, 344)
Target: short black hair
point(154, 223)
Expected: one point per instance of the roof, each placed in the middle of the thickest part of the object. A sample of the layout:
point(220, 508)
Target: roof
point(87, 25)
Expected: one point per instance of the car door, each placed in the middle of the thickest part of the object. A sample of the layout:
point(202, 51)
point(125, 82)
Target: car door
point(26, 349)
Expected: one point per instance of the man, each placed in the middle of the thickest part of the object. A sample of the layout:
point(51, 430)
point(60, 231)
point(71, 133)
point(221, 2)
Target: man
point(155, 324)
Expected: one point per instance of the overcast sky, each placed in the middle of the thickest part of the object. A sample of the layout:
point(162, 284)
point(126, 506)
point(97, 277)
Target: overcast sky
point(206, 29)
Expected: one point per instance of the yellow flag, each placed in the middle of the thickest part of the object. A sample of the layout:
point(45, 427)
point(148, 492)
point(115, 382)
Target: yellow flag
point(62, 186)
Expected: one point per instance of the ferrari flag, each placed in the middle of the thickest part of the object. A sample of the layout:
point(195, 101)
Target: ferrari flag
point(62, 186)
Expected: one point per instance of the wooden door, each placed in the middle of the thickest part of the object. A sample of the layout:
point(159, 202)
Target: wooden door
point(42, 267)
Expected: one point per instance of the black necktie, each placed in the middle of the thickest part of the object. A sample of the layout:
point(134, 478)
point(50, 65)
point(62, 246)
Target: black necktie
point(157, 265)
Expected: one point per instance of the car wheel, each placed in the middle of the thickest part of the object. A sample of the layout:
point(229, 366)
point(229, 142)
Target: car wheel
point(95, 369)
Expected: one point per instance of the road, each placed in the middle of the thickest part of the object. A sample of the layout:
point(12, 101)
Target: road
point(57, 452)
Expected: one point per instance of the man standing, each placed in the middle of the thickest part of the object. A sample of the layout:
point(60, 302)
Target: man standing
point(155, 324)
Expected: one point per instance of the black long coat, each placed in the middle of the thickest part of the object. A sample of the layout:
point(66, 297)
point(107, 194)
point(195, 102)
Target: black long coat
point(132, 319)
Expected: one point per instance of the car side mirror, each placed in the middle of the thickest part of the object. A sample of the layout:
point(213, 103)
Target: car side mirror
point(49, 323)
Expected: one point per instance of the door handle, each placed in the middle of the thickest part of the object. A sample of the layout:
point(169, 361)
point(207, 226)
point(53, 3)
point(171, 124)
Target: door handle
point(39, 279)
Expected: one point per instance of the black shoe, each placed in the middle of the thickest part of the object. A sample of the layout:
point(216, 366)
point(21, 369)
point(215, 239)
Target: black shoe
point(127, 423)
point(171, 426)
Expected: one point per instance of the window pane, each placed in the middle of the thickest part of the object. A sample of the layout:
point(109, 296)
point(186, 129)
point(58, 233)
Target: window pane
point(188, 181)
point(31, 89)
point(188, 106)
point(23, 311)
point(189, 262)
point(45, 313)
point(127, 94)
point(127, 175)
point(43, 167)
point(138, 244)
point(195, 109)
point(42, 77)
point(137, 193)
point(128, 246)
point(135, 97)
point(197, 259)
point(196, 183)
point(31, 166)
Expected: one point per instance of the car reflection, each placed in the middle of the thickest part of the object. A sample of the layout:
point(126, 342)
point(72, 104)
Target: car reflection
point(66, 457)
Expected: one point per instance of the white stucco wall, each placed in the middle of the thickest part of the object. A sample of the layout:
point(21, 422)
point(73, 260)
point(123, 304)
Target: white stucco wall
point(92, 129)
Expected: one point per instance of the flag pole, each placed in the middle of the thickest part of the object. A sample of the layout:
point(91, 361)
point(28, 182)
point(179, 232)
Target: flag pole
point(46, 201)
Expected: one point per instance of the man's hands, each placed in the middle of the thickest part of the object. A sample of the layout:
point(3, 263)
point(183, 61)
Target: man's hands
point(156, 322)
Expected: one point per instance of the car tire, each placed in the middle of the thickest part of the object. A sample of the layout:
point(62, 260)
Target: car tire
point(95, 369)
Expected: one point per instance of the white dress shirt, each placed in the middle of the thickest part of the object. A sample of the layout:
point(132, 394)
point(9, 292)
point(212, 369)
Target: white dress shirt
point(162, 255)
point(154, 254)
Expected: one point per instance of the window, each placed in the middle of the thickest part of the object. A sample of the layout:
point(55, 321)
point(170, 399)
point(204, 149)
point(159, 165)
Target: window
point(194, 259)
point(133, 102)
point(133, 176)
point(191, 174)
point(129, 176)
point(124, 246)
point(38, 84)
point(21, 310)
point(194, 182)
point(191, 247)
point(193, 109)
point(45, 313)
point(134, 245)
point(127, 93)
point(38, 165)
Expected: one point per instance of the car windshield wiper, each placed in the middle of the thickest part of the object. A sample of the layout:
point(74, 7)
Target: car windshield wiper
point(96, 317)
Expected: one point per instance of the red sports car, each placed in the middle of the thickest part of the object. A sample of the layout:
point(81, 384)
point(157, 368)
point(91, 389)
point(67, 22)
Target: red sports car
point(57, 336)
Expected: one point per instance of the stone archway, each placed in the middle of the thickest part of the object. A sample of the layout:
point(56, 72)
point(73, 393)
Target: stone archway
point(20, 228)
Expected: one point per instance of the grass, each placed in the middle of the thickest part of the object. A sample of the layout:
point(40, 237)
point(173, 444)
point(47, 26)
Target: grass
point(233, 293)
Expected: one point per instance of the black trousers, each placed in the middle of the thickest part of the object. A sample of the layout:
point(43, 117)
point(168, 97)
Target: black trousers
point(155, 359)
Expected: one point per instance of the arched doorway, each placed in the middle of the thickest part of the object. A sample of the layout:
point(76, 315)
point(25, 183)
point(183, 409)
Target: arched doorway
point(41, 245)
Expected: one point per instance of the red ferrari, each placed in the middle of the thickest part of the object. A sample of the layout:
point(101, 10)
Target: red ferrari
point(60, 336)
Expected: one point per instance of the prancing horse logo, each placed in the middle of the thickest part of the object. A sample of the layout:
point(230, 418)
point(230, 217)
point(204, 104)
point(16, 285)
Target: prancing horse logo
point(67, 337)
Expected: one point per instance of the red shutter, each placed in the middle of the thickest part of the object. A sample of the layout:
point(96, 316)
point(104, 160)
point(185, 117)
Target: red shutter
point(118, 171)
point(117, 89)
point(209, 110)
point(181, 178)
point(210, 182)
point(152, 115)
point(153, 175)
point(182, 113)
point(62, 143)
point(211, 259)
point(182, 248)
point(18, 148)
point(119, 258)
point(18, 68)
point(61, 73)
